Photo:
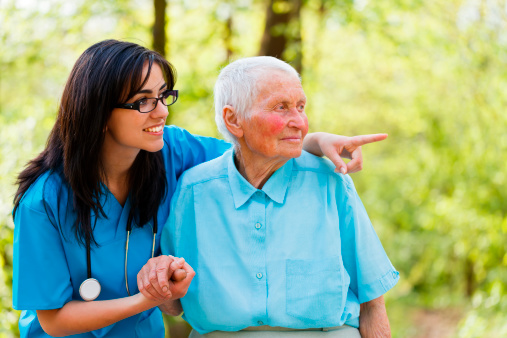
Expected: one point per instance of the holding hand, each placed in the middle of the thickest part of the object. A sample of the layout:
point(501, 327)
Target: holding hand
point(165, 278)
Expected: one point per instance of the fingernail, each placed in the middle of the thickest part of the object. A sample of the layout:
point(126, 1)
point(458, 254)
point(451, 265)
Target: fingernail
point(181, 261)
point(342, 170)
point(164, 289)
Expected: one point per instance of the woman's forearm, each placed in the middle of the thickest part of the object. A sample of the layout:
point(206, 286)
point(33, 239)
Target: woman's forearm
point(373, 321)
point(311, 144)
point(78, 316)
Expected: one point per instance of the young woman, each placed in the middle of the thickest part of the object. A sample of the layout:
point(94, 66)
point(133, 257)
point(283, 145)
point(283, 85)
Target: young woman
point(88, 210)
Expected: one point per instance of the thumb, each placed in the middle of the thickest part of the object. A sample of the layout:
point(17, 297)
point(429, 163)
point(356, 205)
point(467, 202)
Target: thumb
point(339, 163)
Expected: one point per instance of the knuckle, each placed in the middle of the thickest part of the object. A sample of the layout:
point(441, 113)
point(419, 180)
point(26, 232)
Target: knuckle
point(160, 269)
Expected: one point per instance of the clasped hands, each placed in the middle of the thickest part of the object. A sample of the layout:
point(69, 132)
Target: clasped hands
point(165, 278)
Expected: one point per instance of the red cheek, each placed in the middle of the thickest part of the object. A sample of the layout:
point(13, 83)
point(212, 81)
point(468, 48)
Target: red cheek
point(305, 129)
point(276, 124)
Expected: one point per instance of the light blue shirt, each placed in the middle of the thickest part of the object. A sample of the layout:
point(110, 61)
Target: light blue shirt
point(299, 253)
point(49, 264)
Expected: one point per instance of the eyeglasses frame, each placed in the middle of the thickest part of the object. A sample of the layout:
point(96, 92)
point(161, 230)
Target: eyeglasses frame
point(135, 105)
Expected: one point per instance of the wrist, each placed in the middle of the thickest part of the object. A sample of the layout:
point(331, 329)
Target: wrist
point(143, 303)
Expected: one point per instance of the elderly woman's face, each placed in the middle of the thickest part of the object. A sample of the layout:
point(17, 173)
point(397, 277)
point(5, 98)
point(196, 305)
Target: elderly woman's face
point(277, 123)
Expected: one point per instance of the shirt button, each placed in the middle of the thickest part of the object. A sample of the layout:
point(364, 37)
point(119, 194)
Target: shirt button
point(260, 322)
point(395, 274)
point(258, 225)
point(259, 275)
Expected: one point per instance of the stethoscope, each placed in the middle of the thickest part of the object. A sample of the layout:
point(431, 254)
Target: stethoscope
point(90, 288)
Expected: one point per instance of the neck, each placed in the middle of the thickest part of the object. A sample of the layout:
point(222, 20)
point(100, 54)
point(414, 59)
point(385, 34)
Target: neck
point(116, 164)
point(257, 169)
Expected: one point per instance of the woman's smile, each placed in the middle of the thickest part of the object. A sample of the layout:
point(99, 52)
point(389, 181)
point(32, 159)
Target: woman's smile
point(155, 130)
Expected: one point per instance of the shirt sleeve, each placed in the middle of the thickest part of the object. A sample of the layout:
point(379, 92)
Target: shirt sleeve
point(370, 270)
point(191, 150)
point(41, 278)
point(182, 206)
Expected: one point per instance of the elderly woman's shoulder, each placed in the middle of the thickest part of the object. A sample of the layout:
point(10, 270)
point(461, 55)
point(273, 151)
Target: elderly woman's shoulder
point(207, 171)
point(309, 162)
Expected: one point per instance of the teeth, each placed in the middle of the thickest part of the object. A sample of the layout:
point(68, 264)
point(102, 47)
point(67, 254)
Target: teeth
point(154, 129)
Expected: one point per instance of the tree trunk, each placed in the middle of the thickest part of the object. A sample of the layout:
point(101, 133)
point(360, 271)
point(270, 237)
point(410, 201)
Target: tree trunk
point(159, 36)
point(469, 278)
point(228, 38)
point(282, 32)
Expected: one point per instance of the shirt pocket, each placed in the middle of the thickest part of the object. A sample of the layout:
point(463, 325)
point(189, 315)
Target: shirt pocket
point(315, 290)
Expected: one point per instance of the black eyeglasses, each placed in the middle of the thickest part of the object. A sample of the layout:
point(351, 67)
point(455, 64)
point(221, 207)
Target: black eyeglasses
point(146, 105)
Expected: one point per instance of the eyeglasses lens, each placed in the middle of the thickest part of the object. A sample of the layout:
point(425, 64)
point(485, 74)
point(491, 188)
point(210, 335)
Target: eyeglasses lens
point(169, 99)
point(151, 103)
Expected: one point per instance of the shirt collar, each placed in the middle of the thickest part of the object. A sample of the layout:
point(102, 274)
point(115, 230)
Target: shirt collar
point(275, 188)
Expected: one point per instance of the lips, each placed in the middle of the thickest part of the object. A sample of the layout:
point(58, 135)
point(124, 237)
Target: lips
point(292, 138)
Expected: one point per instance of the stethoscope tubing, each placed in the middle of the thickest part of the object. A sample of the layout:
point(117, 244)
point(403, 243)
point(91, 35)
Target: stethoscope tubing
point(90, 288)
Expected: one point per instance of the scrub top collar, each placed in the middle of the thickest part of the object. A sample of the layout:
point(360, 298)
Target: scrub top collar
point(275, 188)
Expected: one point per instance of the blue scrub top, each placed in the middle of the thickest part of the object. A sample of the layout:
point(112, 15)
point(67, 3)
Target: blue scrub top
point(299, 253)
point(49, 264)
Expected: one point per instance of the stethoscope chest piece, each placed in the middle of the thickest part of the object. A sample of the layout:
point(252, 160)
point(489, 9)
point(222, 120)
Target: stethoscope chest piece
point(89, 289)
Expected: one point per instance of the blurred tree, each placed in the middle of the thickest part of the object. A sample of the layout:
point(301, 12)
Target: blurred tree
point(282, 32)
point(160, 26)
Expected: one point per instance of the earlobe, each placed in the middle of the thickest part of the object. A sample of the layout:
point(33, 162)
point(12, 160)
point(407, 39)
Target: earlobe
point(232, 121)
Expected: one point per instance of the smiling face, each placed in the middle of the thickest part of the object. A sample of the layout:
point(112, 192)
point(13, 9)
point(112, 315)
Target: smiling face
point(129, 131)
point(277, 124)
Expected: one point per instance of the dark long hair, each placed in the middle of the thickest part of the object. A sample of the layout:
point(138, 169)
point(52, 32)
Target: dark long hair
point(107, 73)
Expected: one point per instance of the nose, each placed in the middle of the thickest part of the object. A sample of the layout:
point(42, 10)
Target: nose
point(297, 119)
point(160, 111)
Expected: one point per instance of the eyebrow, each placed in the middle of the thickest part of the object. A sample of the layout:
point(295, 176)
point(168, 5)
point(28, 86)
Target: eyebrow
point(149, 91)
point(282, 99)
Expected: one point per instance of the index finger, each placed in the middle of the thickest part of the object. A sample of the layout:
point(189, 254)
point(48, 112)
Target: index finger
point(164, 271)
point(365, 139)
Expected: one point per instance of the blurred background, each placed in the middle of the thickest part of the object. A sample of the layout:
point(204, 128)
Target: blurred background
point(432, 74)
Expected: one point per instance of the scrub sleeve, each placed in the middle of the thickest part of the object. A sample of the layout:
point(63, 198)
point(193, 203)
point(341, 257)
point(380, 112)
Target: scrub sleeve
point(40, 267)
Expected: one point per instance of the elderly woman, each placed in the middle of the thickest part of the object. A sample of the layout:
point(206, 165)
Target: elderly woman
point(278, 240)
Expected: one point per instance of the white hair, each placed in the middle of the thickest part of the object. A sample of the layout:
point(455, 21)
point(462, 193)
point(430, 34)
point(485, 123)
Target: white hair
point(236, 86)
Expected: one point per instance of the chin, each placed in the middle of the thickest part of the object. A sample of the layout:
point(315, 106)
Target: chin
point(292, 153)
point(152, 148)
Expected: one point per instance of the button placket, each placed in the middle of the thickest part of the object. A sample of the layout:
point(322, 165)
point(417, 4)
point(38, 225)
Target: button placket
point(257, 231)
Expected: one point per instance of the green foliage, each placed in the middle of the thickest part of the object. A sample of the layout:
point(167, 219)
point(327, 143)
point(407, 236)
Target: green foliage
point(430, 73)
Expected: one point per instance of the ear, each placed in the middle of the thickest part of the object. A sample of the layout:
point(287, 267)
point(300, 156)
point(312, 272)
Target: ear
point(232, 121)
